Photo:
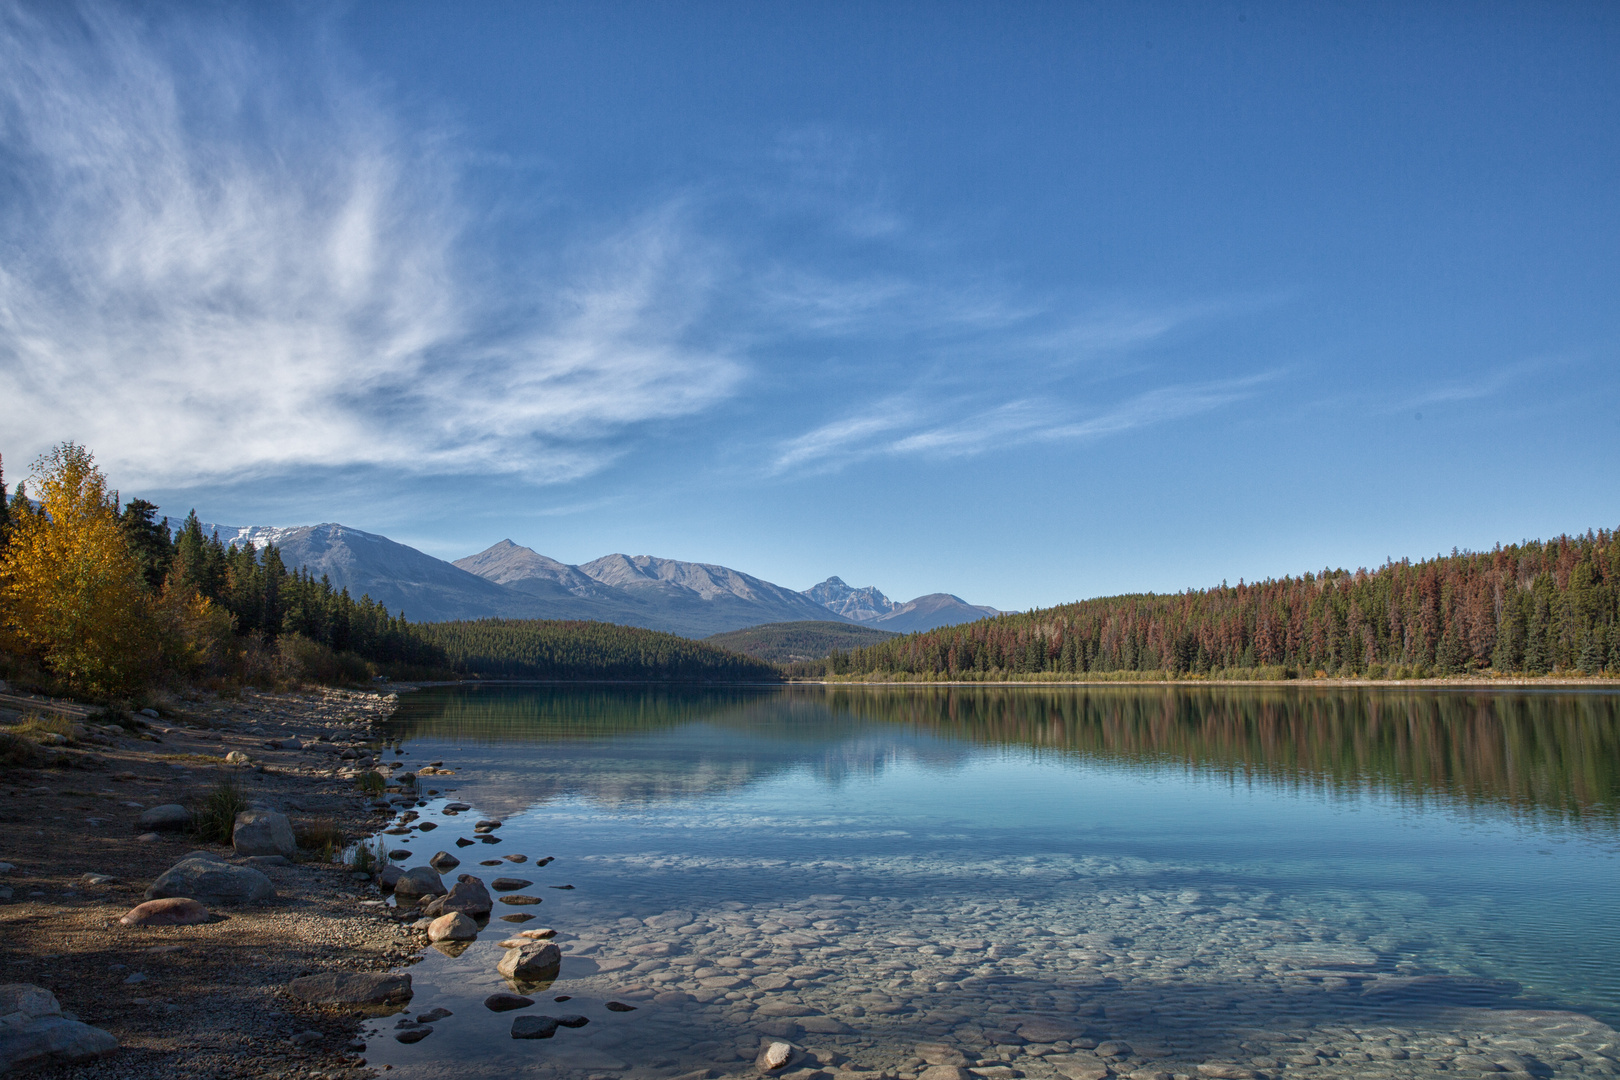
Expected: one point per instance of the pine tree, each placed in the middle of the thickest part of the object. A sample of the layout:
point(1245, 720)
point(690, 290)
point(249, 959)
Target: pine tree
point(5, 510)
point(148, 541)
point(1591, 660)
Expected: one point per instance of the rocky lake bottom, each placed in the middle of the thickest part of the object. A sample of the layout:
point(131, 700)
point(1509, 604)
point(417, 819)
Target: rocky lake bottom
point(904, 899)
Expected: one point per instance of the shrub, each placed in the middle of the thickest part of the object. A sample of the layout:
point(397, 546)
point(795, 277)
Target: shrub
point(215, 819)
point(18, 752)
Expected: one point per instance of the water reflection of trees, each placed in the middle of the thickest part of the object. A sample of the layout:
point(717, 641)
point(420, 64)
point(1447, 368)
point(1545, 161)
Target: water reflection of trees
point(1553, 754)
point(1556, 754)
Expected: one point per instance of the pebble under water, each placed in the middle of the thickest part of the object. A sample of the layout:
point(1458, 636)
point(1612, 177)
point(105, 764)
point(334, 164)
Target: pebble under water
point(1040, 882)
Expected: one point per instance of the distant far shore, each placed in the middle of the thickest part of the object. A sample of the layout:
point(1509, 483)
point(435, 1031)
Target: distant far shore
point(1453, 683)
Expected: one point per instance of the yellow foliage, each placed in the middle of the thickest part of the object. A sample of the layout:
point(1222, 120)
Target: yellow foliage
point(70, 589)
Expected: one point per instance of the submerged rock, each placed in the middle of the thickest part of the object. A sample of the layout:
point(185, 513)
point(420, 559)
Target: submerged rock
point(507, 1002)
point(536, 961)
point(534, 1027)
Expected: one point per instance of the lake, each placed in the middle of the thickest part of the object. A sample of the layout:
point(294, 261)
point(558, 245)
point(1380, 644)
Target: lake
point(1061, 883)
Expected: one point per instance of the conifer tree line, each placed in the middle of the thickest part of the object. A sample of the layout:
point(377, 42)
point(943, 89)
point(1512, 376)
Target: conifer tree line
point(103, 599)
point(1535, 608)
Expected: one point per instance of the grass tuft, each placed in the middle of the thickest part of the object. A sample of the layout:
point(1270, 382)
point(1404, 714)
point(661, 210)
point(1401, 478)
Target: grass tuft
point(323, 838)
point(215, 818)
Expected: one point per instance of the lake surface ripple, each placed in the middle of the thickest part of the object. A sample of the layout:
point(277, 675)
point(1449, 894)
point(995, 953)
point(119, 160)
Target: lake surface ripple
point(1061, 883)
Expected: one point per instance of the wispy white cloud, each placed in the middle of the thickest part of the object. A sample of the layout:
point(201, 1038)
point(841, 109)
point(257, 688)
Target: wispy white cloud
point(207, 274)
point(1484, 384)
point(967, 429)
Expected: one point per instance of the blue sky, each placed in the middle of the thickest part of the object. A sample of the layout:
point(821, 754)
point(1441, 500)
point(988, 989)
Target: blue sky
point(1022, 302)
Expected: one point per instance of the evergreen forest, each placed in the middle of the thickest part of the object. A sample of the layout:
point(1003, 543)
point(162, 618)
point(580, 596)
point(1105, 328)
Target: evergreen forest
point(584, 650)
point(1534, 608)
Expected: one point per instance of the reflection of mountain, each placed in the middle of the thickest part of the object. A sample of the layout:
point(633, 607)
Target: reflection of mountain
point(1550, 754)
point(622, 747)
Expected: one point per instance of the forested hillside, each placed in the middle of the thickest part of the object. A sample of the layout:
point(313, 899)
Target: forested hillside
point(786, 642)
point(551, 649)
point(1534, 608)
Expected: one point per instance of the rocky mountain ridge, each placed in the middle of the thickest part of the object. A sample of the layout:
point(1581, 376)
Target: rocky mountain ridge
point(508, 580)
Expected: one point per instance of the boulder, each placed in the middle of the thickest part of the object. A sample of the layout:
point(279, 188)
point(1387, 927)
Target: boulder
point(213, 882)
point(417, 882)
point(452, 927)
point(388, 877)
point(33, 1030)
point(536, 962)
point(468, 896)
point(263, 832)
point(444, 861)
point(237, 757)
point(170, 817)
point(170, 911)
point(352, 988)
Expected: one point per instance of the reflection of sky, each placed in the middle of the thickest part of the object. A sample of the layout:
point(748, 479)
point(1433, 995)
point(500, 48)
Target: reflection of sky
point(1526, 755)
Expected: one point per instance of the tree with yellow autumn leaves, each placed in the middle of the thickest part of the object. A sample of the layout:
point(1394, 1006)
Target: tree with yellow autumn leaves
point(71, 593)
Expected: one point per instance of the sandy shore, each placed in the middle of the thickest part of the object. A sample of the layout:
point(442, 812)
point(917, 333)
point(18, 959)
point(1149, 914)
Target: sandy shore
point(206, 1001)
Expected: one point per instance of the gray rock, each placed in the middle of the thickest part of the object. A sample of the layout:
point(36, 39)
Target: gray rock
point(775, 1056)
point(467, 896)
point(263, 832)
point(352, 988)
point(213, 882)
point(452, 927)
point(417, 882)
point(267, 860)
point(536, 961)
point(170, 817)
point(507, 884)
point(33, 1030)
point(388, 877)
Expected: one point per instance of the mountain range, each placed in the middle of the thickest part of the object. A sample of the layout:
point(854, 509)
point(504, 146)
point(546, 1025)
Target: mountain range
point(511, 581)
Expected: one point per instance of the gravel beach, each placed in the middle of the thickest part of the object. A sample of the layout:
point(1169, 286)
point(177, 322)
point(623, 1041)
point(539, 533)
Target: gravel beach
point(208, 1000)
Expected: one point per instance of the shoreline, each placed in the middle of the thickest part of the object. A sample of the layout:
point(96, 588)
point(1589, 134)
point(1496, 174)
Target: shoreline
point(210, 1000)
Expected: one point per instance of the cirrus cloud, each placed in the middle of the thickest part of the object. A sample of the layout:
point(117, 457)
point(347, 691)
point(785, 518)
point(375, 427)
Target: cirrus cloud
point(208, 272)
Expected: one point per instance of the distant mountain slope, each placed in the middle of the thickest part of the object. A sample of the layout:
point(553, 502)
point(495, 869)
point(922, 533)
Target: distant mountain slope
point(871, 608)
point(784, 643)
point(694, 599)
point(932, 611)
point(399, 577)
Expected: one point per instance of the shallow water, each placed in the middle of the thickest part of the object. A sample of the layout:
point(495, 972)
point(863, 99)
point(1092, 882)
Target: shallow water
point(1051, 882)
